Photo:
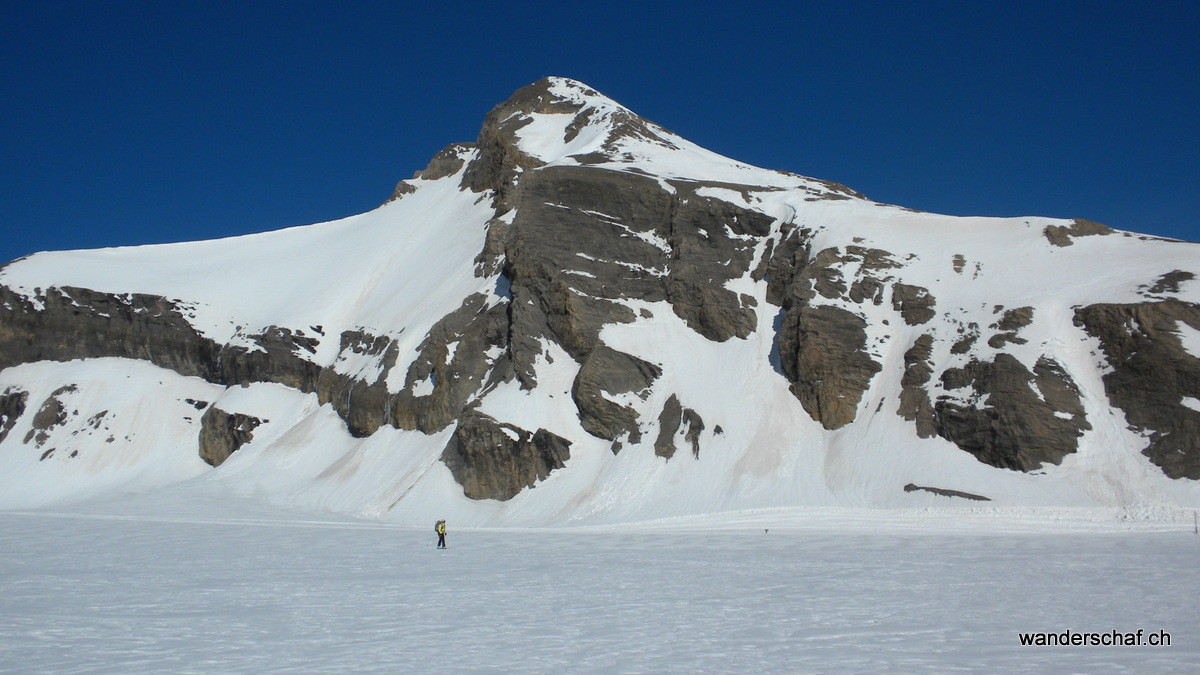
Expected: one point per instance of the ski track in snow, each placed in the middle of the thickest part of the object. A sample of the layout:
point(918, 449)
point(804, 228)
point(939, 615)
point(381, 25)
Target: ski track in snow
point(241, 587)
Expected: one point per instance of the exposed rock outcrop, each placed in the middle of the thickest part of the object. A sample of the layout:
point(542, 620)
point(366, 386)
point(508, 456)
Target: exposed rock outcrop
point(12, 406)
point(946, 493)
point(1061, 235)
point(711, 242)
point(580, 241)
point(786, 260)
point(52, 413)
point(672, 417)
point(222, 433)
point(915, 405)
point(499, 160)
point(914, 303)
point(1010, 324)
point(494, 460)
point(1152, 375)
point(1168, 282)
point(80, 323)
point(823, 353)
point(452, 359)
point(609, 373)
point(826, 273)
point(1009, 417)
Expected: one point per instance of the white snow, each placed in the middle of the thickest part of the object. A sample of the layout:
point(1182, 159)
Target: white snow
point(424, 387)
point(1189, 337)
point(192, 581)
point(128, 428)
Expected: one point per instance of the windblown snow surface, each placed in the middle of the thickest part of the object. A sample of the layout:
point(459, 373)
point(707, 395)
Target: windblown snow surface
point(782, 547)
point(189, 580)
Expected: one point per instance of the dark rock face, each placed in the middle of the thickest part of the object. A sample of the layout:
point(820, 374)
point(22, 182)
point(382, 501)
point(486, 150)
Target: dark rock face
point(946, 493)
point(493, 460)
point(964, 344)
point(584, 238)
point(914, 303)
point(823, 348)
point(473, 329)
point(1010, 324)
point(1152, 374)
point(915, 405)
point(825, 274)
point(783, 263)
point(447, 162)
point(1015, 319)
point(52, 413)
point(499, 160)
point(1017, 427)
point(1060, 235)
point(402, 188)
point(80, 323)
point(712, 242)
point(823, 353)
point(608, 371)
point(12, 406)
point(1169, 282)
point(714, 312)
point(222, 433)
point(581, 239)
point(669, 421)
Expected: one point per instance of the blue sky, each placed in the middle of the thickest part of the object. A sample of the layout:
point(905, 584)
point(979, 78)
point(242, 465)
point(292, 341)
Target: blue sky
point(130, 123)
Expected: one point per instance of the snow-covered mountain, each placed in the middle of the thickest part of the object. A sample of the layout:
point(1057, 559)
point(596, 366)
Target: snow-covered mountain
point(582, 317)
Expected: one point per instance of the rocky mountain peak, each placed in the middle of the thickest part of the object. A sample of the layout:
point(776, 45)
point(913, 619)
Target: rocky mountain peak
point(579, 283)
point(557, 95)
point(558, 121)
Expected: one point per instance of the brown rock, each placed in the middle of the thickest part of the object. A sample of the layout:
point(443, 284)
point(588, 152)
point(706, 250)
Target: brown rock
point(608, 371)
point(1152, 374)
point(1017, 427)
point(222, 433)
point(823, 353)
point(494, 460)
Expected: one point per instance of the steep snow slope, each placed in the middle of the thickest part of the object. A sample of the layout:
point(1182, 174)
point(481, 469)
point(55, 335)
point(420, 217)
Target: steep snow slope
point(584, 317)
point(400, 267)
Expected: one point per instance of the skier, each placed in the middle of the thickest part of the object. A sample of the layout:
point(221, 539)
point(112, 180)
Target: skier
point(440, 528)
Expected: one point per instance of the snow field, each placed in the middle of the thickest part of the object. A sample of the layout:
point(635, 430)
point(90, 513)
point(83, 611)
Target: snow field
point(181, 583)
point(127, 427)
